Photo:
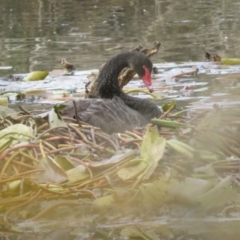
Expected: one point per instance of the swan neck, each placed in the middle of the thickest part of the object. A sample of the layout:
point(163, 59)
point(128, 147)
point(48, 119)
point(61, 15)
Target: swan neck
point(108, 85)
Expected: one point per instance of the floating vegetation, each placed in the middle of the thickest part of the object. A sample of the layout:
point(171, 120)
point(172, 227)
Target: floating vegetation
point(223, 61)
point(36, 76)
point(49, 164)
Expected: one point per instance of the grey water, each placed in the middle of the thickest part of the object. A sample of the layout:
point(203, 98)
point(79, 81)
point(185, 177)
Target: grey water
point(37, 34)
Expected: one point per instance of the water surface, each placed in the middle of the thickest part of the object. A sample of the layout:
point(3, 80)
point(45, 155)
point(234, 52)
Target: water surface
point(35, 35)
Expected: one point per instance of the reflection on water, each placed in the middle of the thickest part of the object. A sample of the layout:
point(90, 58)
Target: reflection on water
point(35, 35)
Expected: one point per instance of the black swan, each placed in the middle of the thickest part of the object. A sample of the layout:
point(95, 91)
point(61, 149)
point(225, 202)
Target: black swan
point(113, 110)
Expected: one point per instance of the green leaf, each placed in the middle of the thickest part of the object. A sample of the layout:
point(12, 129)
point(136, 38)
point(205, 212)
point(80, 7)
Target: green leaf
point(209, 193)
point(104, 201)
point(152, 149)
point(59, 107)
point(154, 194)
point(64, 162)
point(136, 166)
point(52, 172)
point(222, 194)
point(54, 120)
point(16, 133)
point(181, 148)
point(230, 61)
point(77, 174)
point(167, 106)
point(167, 123)
point(36, 76)
point(14, 185)
point(187, 191)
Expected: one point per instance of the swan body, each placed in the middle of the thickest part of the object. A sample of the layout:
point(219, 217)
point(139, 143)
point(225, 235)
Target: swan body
point(113, 110)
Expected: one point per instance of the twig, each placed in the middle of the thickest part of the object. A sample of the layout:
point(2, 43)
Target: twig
point(48, 131)
point(186, 73)
point(167, 112)
point(21, 205)
point(76, 113)
point(52, 207)
point(8, 162)
point(24, 110)
point(84, 164)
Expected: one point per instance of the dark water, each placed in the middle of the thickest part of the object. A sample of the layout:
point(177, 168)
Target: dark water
point(36, 34)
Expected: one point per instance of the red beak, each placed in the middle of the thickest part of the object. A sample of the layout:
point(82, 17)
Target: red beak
point(147, 79)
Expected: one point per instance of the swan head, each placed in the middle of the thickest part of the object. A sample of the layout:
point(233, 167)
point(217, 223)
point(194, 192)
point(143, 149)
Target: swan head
point(143, 67)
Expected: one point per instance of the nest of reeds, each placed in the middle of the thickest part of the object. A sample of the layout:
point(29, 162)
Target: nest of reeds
point(46, 159)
